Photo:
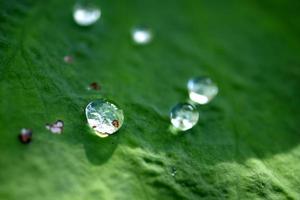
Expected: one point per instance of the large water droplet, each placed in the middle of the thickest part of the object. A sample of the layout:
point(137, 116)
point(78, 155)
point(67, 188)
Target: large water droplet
point(141, 35)
point(104, 117)
point(184, 116)
point(202, 89)
point(86, 14)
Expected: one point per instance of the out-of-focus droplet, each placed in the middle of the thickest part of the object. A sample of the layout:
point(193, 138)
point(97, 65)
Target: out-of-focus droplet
point(86, 14)
point(202, 89)
point(141, 35)
point(68, 59)
point(104, 117)
point(184, 116)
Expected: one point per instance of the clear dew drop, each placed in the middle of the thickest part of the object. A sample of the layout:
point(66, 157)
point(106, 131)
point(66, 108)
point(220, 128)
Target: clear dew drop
point(86, 14)
point(104, 117)
point(202, 89)
point(141, 35)
point(184, 116)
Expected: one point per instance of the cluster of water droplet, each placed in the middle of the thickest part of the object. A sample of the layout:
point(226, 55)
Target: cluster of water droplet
point(202, 90)
point(106, 118)
point(87, 14)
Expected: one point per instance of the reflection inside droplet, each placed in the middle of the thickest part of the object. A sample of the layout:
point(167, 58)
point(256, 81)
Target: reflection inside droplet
point(201, 99)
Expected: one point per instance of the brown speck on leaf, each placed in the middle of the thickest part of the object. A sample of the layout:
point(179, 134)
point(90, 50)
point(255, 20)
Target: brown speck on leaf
point(56, 128)
point(94, 126)
point(25, 136)
point(115, 123)
point(94, 86)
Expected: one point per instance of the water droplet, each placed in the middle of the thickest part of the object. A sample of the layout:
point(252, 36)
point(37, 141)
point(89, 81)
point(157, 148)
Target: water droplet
point(184, 116)
point(202, 89)
point(141, 35)
point(173, 171)
point(94, 86)
point(68, 59)
point(104, 117)
point(25, 136)
point(86, 14)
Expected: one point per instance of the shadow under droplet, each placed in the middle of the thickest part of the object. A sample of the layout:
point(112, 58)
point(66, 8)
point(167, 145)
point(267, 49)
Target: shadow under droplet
point(98, 150)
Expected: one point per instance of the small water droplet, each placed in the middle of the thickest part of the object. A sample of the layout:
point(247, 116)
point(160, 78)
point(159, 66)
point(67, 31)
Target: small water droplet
point(141, 35)
point(104, 117)
point(202, 89)
point(184, 116)
point(86, 14)
point(173, 171)
point(94, 86)
point(25, 136)
point(68, 59)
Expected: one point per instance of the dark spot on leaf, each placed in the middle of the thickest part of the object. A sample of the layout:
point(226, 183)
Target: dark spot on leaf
point(25, 136)
point(94, 86)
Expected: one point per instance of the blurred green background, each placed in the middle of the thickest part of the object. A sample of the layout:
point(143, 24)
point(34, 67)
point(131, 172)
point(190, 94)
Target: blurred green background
point(246, 145)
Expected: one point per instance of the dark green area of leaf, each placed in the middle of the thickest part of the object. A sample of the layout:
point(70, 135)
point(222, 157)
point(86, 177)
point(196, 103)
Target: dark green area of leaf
point(246, 145)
